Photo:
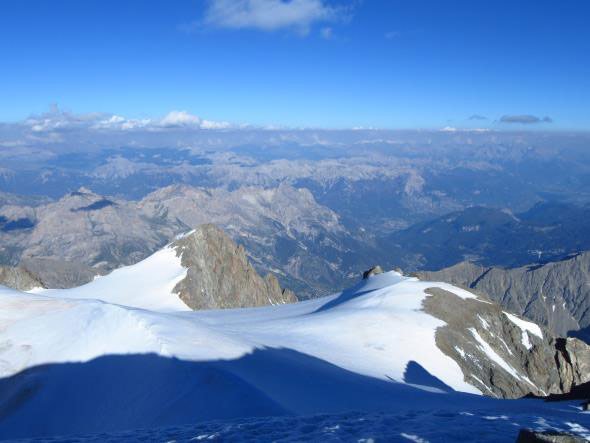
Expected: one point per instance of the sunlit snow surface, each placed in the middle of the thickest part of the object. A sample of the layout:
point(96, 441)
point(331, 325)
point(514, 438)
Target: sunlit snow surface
point(148, 284)
point(373, 330)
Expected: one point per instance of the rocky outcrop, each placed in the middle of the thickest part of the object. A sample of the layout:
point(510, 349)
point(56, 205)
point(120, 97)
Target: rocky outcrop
point(46, 273)
point(503, 355)
point(555, 295)
point(219, 274)
point(375, 270)
point(60, 274)
point(529, 436)
point(18, 278)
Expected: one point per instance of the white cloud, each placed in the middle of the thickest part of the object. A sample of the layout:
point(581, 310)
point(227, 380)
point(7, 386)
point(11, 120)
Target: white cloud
point(453, 129)
point(129, 124)
point(269, 15)
point(117, 122)
point(208, 124)
point(114, 121)
point(180, 118)
point(56, 120)
point(177, 119)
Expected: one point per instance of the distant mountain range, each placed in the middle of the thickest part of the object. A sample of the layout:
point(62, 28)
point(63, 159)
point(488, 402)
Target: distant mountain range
point(313, 207)
point(381, 181)
point(310, 248)
point(284, 229)
point(493, 237)
point(555, 294)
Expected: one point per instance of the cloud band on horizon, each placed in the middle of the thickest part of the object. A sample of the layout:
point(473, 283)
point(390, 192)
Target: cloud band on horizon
point(525, 119)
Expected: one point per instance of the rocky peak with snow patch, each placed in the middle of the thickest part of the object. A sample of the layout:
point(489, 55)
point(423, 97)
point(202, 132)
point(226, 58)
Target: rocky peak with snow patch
point(219, 274)
point(501, 354)
point(554, 294)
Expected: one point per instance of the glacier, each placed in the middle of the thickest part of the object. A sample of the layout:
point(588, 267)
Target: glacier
point(124, 352)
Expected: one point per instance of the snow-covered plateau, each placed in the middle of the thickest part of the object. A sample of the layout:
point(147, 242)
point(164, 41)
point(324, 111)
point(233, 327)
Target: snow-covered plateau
point(124, 352)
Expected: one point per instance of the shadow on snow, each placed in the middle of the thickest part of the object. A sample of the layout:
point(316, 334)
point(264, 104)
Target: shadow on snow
point(118, 392)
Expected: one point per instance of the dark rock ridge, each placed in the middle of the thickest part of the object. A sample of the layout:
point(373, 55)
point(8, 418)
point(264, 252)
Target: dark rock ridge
point(500, 354)
point(219, 274)
point(555, 295)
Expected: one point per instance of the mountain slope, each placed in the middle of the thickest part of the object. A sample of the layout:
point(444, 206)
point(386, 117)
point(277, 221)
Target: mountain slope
point(219, 274)
point(493, 237)
point(374, 347)
point(84, 227)
point(503, 355)
point(284, 230)
point(555, 294)
point(203, 269)
point(378, 328)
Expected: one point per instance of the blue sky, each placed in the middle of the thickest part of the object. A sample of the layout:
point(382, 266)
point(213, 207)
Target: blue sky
point(333, 64)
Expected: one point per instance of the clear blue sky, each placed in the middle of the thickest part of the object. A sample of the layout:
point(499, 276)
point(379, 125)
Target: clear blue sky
point(392, 64)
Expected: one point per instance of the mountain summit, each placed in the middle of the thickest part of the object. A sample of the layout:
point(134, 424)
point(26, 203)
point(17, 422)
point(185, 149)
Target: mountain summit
point(203, 269)
point(218, 274)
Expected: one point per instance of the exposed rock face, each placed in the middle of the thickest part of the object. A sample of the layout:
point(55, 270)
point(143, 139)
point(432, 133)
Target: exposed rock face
point(220, 276)
point(502, 355)
point(556, 295)
point(18, 278)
